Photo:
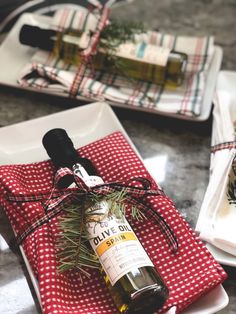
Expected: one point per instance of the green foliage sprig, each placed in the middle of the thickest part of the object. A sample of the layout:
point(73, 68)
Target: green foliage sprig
point(73, 247)
point(231, 188)
point(115, 34)
point(231, 195)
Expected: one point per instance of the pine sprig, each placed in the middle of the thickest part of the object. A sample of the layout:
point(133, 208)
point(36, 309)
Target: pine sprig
point(115, 34)
point(231, 188)
point(231, 195)
point(73, 247)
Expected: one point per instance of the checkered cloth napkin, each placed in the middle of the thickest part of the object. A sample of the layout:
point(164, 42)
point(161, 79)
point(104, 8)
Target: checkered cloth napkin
point(216, 223)
point(189, 273)
point(45, 72)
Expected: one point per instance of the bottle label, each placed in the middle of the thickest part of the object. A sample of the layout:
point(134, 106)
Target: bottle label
point(144, 52)
point(112, 239)
point(117, 247)
point(81, 40)
point(83, 174)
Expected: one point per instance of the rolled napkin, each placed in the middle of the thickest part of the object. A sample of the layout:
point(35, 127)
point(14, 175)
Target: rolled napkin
point(189, 273)
point(216, 223)
point(48, 73)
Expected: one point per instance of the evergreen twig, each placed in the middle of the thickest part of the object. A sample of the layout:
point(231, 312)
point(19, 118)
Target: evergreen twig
point(73, 247)
point(115, 34)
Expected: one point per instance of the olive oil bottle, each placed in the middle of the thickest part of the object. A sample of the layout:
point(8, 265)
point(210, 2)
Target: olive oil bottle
point(139, 61)
point(134, 283)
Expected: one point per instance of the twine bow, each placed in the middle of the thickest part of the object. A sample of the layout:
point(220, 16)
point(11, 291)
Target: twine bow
point(57, 199)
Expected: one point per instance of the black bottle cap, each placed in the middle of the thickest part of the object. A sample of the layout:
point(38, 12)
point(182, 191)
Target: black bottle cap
point(37, 37)
point(60, 148)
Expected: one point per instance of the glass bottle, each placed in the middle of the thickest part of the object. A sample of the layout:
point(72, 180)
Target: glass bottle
point(135, 285)
point(140, 61)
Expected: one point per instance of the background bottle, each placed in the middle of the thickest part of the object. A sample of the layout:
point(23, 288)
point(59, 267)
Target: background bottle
point(140, 61)
point(135, 289)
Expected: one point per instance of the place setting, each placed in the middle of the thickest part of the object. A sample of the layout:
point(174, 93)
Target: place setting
point(96, 231)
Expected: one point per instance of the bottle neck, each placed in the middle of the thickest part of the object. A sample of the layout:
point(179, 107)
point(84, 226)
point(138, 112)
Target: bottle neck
point(37, 37)
point(49, 39)
point(83, 168)
point(63, 154)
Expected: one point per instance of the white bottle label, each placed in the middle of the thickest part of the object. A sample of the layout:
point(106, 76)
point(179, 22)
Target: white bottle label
point(118, 249)
point(144, 52)
point(112, 239)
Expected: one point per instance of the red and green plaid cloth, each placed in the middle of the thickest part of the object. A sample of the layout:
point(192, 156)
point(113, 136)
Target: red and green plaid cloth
point(48, 73)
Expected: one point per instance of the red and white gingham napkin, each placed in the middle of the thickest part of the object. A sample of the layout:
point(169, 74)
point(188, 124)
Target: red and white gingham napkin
point(189, 274)
point(48, 73)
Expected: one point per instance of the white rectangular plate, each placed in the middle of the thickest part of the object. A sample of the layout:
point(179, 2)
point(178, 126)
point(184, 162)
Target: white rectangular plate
point(21, 143)
point(14, 56)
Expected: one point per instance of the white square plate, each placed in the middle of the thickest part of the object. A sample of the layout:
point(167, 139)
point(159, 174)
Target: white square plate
point(14, 57)
point(21, 143)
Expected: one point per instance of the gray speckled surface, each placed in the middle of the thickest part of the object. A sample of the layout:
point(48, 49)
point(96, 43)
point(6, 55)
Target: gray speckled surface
point(179, 150)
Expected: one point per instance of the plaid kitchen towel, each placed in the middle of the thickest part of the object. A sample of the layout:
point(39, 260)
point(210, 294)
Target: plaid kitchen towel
point(189, 273)
point(46, 72)
point(216, 223)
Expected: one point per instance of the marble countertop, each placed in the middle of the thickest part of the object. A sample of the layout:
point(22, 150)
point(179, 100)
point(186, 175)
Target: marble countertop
point(182, 148)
